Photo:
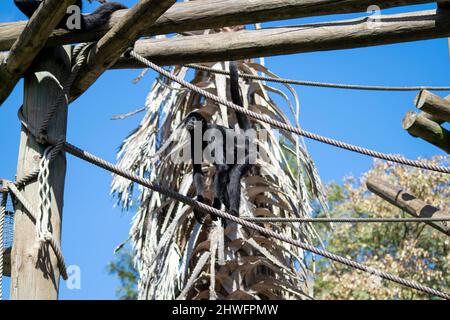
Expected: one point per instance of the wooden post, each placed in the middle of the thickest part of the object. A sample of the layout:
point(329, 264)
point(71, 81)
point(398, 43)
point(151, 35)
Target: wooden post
point(420, 126)
point(408, 203)
point(33, 278)
point(437, 107)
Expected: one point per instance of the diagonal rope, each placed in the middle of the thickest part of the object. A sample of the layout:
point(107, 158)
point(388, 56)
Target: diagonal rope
point(286, 127)
point(346, 220)
point(320, 84)
point(82, 154)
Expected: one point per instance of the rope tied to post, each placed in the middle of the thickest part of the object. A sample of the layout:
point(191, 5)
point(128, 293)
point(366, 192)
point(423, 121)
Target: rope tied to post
point(42, 216)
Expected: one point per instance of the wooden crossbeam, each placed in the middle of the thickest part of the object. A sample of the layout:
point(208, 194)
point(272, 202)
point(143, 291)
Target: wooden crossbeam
point(207, 14)
point(396, 28)
point(117, 40)
point(419, 126)
point(408, 203)
point(437, 107)
point(29, 43)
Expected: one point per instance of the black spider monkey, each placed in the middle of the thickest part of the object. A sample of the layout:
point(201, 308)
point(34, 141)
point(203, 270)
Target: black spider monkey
point(88, 22)
point(227, 178)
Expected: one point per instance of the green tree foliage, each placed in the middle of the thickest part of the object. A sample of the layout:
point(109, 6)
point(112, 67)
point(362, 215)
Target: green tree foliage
point(122, 268)
point(413, 251)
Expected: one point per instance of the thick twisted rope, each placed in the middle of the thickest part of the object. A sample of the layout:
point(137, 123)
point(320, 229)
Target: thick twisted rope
point(2, 244)
point(319, 84)
point(82, 154)
point(345, 220)
point(43, 219)
point(80, 53)
point(47, 237)
point(286, 127)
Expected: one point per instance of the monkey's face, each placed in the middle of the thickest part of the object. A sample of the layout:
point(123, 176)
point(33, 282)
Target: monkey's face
point(194, 119)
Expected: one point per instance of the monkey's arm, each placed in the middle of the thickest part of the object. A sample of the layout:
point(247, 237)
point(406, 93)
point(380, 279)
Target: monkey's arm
point(100, 16)
point(28, 7)
point(243, 121)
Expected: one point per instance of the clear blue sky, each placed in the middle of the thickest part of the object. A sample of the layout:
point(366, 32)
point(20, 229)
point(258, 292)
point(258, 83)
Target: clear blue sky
point(92, 227)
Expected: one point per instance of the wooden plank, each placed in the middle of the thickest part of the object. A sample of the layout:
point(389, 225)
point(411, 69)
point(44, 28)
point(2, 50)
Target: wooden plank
point(396, 28)
point(30, 42)
point(34, 278)
point(117, 40)
point(408, 203)
point(422, 127)
point(208, 14)
point(437, 107)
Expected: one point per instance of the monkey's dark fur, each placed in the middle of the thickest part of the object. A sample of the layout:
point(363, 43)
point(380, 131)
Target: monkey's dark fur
point(89, 22)
point(226, 185)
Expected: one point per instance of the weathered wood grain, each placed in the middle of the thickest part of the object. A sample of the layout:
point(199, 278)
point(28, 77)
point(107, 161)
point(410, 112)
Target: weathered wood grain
point(29, 43)
point(422, 25)
point(420, 126)
point(437, 107)
point(31, 278)
point(408, 203)
point(206, 14)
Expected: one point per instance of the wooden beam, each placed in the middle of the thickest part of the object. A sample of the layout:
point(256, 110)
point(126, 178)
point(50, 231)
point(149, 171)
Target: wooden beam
point(335, 35)
point(208, 14)
point(30, 42)
point(409, 203)
point(6, 262)
point(437, 107)
point(422, 127)
point(35, 277)
point(123, 35)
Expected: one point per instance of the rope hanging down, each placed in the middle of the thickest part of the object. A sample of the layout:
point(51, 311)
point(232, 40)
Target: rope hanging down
point(345, 220)
point(318, 84)
point(48, 237)
point(286, 127)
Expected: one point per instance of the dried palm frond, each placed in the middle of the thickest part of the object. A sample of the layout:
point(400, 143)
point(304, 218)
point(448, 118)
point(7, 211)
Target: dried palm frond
point(175, 255)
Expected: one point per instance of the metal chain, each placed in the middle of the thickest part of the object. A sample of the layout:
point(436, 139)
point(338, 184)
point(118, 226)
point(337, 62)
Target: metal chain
point(345, 220)
point(48, 237)
point(82, 154)
point(318, 84)
point(286, 127)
